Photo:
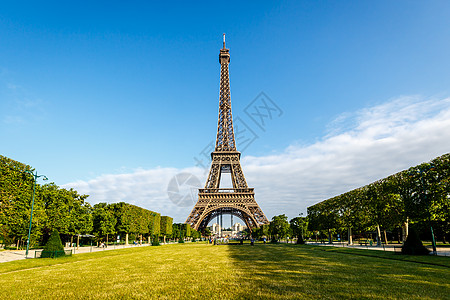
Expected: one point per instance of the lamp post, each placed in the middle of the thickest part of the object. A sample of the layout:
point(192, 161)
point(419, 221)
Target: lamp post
point(35, 177)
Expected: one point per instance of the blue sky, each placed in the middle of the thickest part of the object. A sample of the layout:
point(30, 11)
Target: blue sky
point(114, 98)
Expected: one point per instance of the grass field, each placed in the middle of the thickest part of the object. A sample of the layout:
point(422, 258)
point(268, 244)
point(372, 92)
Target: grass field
point(228, 272)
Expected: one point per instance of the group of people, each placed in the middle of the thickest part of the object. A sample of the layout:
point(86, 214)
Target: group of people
point(104, 245)
point(218, 240)
point(225, 240)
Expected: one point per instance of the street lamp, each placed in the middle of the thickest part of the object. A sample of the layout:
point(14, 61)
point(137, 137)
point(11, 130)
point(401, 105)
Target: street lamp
point(35, 177)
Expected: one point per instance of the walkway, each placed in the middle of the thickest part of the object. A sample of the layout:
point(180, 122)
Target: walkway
point(11, 255)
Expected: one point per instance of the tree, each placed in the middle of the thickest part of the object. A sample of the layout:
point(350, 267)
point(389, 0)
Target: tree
point(257, 233)
point(206, 232)
point(186, 230)
point(64, 210)
point(132, 219)
point(298, 225)
point(82, 219)
point(279, 227)
point(261, 231)
point(324, 216)
point(104, 221)
point(58, 204)
point(166, 226)
point(155, 224)
point(440, 190)
point(374, 207)
point(420, 194)
point(392, 208)
point(16, 189)
point(352, 211)
point(195, 234)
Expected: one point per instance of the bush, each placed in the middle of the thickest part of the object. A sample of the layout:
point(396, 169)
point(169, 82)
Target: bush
point(54, 242)
point(54, 247)
point(413, 245)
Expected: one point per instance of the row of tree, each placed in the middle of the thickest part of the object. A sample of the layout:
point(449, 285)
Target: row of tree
point(122, 218)
point(418, 196)
point(66, 211)
point(280, 228)
point(182, 231)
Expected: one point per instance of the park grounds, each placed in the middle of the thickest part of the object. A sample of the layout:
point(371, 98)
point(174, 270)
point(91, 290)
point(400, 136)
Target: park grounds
point(12, 255)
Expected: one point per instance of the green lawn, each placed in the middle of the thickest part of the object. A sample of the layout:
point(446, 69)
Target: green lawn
point(228, 272)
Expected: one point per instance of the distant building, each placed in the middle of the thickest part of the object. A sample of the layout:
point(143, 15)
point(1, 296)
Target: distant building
point(238, 227)
point(215, 229)
point(235, 230)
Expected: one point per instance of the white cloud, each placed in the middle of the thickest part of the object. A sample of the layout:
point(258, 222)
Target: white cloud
point(361, 147)
point(144, 188)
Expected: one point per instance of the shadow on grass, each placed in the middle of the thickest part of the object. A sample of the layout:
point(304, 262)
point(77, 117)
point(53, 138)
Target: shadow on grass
point(442, 261)
point(284, 271)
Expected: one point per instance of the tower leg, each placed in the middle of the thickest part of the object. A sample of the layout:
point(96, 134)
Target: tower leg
point(231, 225)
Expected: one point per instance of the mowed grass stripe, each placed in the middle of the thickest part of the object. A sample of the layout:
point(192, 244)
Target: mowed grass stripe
point(20, 265)
point(442, 261)
point(178, 271)
point(291, 271)
point(223, 272)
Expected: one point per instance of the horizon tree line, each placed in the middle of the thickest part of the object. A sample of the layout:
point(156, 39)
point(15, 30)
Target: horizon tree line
point(418, 196)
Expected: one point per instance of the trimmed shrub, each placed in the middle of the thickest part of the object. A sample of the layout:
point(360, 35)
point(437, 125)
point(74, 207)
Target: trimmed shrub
point(413, 245)
point(54, 242)
point(54, 247)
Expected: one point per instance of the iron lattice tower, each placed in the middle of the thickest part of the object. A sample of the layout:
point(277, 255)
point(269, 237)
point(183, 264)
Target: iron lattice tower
point(240, 199)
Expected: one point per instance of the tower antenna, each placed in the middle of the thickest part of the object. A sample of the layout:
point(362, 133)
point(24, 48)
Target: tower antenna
point(224, 41)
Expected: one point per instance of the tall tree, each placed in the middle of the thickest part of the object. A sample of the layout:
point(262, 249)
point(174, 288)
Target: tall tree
point(104, 220)
point(279, 227)
point(298, 225)
point(166, 226)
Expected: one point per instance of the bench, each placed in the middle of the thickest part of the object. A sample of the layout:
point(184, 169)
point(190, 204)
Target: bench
point(365, 242)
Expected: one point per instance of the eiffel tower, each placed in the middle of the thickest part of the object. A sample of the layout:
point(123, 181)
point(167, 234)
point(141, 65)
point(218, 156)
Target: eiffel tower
point(240, 200)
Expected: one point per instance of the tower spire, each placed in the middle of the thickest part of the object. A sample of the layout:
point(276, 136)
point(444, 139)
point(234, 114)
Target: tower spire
point(225, 134)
